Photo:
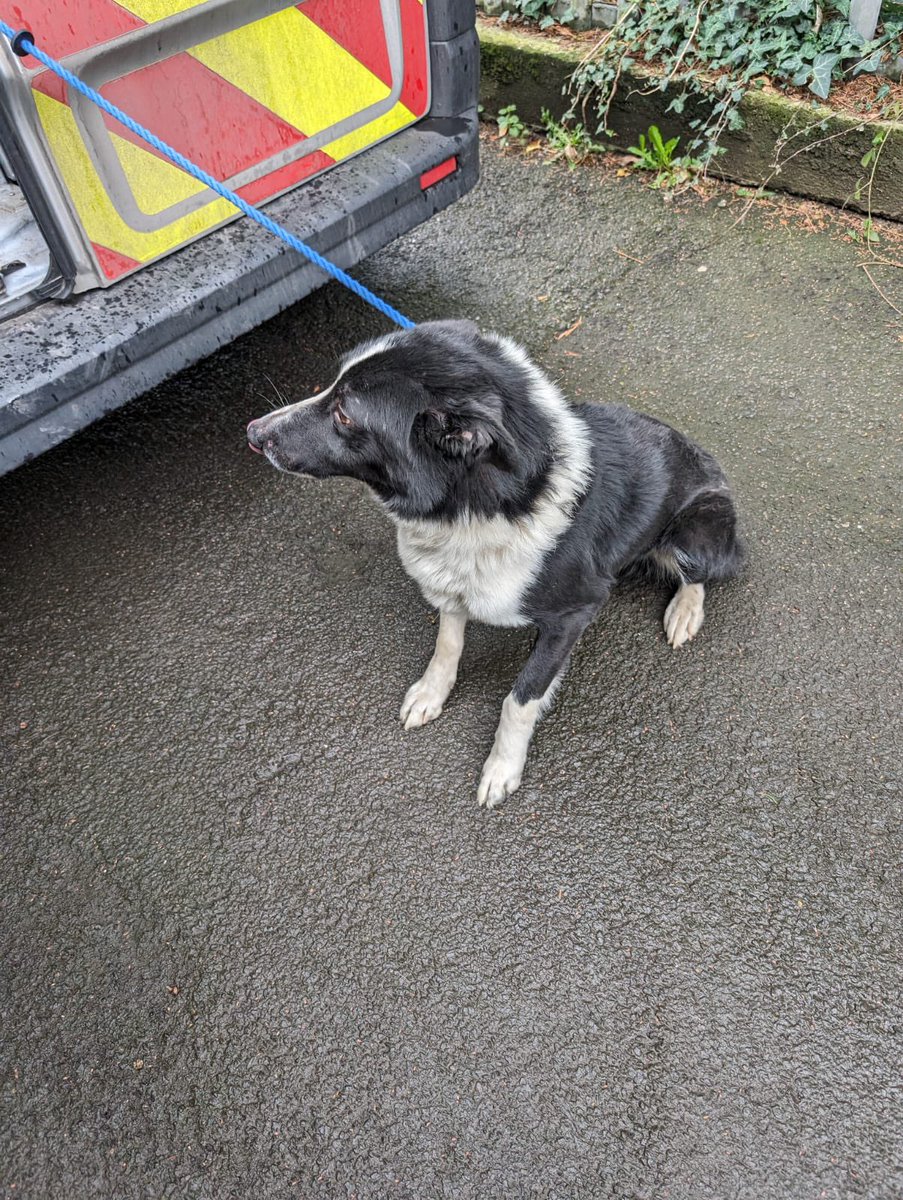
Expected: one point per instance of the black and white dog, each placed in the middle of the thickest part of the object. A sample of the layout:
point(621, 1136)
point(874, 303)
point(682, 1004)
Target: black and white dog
point(512, 506)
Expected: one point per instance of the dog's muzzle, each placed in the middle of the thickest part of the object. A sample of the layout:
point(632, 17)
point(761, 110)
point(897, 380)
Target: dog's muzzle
point(257, 436)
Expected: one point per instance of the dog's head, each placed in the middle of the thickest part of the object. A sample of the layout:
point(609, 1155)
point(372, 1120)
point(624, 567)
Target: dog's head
point(416, 416)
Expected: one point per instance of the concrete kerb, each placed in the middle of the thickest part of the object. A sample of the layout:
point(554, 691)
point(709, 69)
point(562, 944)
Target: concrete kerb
point(821, 159)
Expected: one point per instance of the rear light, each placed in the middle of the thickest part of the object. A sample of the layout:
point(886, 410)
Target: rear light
point(428, 178)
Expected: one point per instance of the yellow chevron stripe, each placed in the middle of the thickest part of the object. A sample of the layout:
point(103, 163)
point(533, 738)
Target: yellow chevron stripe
point(289, 65)
point(156, 10)
point(149, 176)
point(396, 118)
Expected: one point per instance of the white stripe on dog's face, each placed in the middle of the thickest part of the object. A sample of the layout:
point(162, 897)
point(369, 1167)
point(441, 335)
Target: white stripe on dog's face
point(367, 350)
point(278, 416)
point(288, 409)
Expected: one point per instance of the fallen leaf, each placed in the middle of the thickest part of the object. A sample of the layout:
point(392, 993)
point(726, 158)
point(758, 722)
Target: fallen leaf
point(567, 332)
point(624, 254)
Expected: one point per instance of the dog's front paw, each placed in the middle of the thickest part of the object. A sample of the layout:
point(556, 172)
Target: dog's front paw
point(422, 704)
point(501, 776)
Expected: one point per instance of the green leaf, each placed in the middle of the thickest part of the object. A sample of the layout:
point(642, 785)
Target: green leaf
point(822, 70)
point(872, 63)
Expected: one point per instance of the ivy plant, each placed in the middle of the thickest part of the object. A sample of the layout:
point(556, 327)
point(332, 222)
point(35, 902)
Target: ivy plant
point(710, 53)
point(539, 11)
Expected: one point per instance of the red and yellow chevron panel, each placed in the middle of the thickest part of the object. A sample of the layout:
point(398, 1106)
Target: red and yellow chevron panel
point(271, 102)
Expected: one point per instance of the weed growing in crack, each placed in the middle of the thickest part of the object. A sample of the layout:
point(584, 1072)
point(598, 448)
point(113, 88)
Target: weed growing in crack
point(671, 172)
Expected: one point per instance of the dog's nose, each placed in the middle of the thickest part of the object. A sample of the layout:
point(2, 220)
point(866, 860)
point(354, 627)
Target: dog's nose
point(255, 436)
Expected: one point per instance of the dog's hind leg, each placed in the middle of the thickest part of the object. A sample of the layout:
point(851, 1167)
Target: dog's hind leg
point(424, 699)
point(685, 614)
point(532, 693)
point(699, 546)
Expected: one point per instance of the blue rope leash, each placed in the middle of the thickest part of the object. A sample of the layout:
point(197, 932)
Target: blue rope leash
point(23, 43)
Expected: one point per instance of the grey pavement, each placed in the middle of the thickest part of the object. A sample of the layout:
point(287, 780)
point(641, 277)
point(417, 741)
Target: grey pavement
point(260, 942)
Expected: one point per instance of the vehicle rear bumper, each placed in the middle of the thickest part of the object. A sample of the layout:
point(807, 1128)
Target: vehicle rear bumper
point(63, 365)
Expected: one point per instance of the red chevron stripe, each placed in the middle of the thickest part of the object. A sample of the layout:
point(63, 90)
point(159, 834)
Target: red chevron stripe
point(416, 57)
point(63, 27)
point(285, 177)
point(112, 263)
point(195, 110)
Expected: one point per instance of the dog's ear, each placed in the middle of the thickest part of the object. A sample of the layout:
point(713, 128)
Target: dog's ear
point(468, 433)
point(454, 436)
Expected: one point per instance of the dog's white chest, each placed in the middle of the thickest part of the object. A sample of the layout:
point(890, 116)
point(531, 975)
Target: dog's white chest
point(481, 567)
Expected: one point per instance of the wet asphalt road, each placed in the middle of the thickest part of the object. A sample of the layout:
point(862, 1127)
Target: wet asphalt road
point(258, 941)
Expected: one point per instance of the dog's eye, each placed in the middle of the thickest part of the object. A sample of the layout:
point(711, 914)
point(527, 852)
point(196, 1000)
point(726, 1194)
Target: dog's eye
point(341, 416)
